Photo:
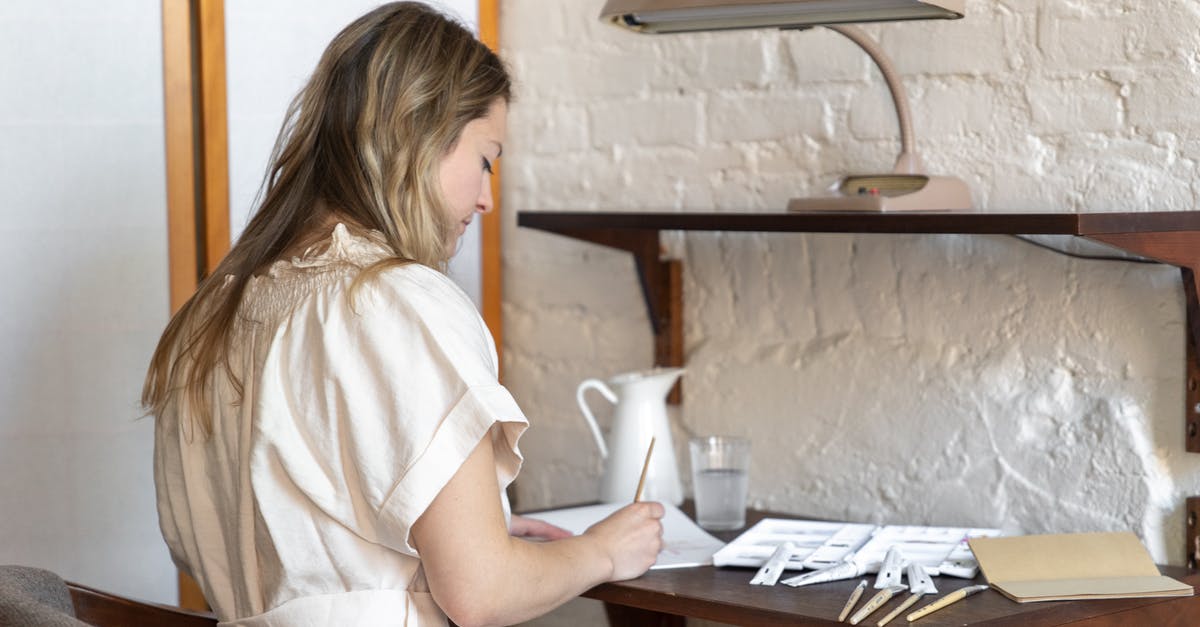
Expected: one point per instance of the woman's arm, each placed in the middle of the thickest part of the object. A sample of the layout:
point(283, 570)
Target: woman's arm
point(480, 575)
point(523, 527)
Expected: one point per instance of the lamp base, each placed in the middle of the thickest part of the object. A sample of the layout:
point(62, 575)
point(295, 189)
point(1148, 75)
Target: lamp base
point(877, 193)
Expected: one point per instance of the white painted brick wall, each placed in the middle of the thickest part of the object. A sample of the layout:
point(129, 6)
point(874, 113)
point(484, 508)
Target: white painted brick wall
point(925, 379)
point(736, 117)
point(616, 122)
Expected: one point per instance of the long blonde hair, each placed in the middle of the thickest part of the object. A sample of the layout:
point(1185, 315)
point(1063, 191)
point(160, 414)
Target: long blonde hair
point(363, 139)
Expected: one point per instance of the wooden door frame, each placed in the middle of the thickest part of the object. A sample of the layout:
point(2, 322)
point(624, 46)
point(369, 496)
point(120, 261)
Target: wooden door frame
point(490, 262)
point(197, 147)
point(197, 160)
point(196, 130)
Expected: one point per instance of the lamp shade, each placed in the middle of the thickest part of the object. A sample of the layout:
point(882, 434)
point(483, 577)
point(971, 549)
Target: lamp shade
point(677, 16)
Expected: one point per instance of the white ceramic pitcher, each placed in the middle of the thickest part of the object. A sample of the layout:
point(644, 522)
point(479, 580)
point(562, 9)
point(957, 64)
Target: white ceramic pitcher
point(640, 413)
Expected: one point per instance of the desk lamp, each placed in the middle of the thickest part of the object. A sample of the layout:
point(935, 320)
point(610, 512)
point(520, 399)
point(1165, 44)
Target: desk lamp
point(907, 187)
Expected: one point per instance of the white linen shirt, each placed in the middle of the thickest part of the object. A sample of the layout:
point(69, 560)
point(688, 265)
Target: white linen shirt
point(356, 409)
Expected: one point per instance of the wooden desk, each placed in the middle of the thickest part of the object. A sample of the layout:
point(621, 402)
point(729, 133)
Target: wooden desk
point(665, 597)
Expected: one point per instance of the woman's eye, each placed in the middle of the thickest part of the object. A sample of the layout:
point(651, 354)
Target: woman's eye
point(487, 165)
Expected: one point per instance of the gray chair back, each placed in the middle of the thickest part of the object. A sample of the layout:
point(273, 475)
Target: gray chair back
point(32, 597)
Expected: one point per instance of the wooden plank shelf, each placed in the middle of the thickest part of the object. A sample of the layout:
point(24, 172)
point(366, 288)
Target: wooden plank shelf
point(1025, 223)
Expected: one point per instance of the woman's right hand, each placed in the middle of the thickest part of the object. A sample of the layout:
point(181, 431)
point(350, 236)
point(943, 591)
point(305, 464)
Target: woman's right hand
point(631, 537)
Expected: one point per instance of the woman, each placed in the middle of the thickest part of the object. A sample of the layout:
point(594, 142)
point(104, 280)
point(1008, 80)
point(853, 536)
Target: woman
point(332, 443)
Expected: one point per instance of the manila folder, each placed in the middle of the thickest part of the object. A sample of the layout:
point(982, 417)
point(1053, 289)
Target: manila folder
point(1059, 567)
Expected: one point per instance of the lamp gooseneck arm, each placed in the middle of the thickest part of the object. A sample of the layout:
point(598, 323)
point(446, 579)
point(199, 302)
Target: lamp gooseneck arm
point(908, 162)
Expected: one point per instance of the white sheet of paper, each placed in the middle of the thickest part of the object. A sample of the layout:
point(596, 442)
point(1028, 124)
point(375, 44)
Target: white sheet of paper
point(685, 544)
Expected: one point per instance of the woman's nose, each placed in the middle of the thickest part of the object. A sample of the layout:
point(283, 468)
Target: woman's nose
point(485, 203)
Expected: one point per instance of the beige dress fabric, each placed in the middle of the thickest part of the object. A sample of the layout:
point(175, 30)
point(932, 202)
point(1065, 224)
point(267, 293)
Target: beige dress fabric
point(354, 414)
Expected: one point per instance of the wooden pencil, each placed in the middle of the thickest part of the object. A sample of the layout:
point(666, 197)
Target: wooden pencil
point(637, 496)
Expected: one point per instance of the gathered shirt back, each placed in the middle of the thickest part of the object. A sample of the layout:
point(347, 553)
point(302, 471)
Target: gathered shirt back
point(356, 406)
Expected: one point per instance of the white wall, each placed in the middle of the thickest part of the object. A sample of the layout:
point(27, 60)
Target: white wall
point(81, 160)
point(271, 49)
point(85, 265)
point(886, 378)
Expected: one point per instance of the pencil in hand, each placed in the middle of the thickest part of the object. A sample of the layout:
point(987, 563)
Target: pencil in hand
point(637, 496)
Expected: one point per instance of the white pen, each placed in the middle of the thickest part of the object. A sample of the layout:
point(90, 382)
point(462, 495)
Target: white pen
point(837, 572)
point(854, 597)
point(953, 597)
point(769, 574)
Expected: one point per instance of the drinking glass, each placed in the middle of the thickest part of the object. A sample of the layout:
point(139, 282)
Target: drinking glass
point(720, 477)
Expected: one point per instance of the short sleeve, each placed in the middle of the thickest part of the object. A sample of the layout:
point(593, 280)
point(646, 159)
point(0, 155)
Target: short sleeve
point(378, 395)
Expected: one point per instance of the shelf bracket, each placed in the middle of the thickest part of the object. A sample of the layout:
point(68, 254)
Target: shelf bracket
point(662, 290)
point(1191, 544)
point(1181, 249)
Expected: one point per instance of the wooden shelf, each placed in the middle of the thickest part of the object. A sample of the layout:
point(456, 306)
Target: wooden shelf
point(1026, 223)
point(1171, 237)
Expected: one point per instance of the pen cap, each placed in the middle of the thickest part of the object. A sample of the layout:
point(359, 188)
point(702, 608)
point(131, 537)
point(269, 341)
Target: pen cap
point(891, 570)
point(919, 581)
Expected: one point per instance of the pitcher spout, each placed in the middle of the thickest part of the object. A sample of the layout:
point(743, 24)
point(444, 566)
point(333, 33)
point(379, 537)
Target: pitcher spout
point(657, 381)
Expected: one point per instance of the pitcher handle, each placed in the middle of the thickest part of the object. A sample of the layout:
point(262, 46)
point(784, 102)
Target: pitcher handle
point(599, 386)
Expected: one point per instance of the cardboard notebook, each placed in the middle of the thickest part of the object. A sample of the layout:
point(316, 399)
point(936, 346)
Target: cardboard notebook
point(1073, 566)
